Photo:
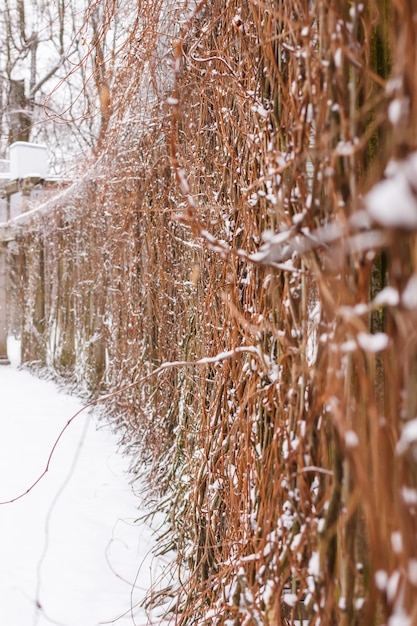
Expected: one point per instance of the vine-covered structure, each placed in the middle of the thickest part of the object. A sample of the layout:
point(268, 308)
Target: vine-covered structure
point(246, 231)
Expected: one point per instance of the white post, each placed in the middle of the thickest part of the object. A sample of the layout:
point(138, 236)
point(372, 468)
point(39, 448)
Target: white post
point(4, 360)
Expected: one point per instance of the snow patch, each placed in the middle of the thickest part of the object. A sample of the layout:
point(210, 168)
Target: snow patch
point(75, 533)
point(338, 58)
point(387, 297)
point(399, 619)
point(392, 585)
point(381, 579)
point(409, 295)
point(398, 109)
point(373, 343)
point(408, 436)
point(314, 564)
point(409, 496)
point(412, 571)
point(290, 599)
point(348, 346)
point(393, 201)
point(397, 542)
point(351, 439)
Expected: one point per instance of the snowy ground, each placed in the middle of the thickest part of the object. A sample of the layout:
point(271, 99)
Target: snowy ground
point(71, 553)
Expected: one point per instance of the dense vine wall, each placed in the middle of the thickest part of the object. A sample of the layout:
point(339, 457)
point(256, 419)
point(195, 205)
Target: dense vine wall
point(224, 239)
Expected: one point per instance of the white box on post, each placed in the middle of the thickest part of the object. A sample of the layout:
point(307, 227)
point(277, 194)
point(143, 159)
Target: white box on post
point(28, 160)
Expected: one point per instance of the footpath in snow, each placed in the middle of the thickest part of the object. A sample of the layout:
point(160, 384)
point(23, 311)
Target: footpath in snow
point(71, 553)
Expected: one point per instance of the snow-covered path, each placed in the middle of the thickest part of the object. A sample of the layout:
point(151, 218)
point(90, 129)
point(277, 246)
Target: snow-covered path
point(70, 552)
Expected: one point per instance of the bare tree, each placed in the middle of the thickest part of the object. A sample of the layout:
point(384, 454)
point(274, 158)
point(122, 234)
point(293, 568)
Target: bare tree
point(54, 72)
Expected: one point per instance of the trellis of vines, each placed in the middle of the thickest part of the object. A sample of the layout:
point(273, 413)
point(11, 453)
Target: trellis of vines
point(224, 238)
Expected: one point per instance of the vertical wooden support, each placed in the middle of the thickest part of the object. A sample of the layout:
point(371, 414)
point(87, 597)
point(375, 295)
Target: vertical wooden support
point(3, 306)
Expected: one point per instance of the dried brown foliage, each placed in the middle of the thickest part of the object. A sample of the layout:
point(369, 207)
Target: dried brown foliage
point(289, 497)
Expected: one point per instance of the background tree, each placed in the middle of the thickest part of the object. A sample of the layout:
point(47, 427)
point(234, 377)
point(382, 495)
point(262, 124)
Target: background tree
point(54, 79)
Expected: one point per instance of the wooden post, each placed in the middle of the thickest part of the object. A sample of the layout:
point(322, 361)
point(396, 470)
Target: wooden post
point(4, 360)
